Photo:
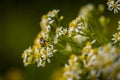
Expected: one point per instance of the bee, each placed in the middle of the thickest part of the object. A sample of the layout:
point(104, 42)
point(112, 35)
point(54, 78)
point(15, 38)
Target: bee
point(42, 42)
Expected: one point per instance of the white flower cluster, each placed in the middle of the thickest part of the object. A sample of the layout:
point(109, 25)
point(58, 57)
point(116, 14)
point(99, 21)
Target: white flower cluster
point(84, 11)
point(27, 56)
point(72, 69)
point(43, 55)
point(116, 36)
point(114, 5)
point(60, 31)
point(47, 21)
point(77, 26)
point(93, 63)
point(42, 49)
point(102, 61)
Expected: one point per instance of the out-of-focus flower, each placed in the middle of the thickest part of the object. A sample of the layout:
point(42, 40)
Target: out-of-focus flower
point(72, 69)
point(43, 55)
point(91, 61)
point(118, 26)
point(103, 60)
point(86, 10)
point(53, 13)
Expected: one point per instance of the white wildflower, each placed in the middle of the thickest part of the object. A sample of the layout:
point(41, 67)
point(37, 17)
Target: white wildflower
point(77, 26)
point(27, 56)
point(84, 11)
point(47, 20)
point(116, 37)
point(72, 69)
point(50, 50)
point(59, 32)
point(115, 6)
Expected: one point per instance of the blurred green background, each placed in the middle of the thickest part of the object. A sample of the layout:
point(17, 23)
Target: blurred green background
point(19, 25)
